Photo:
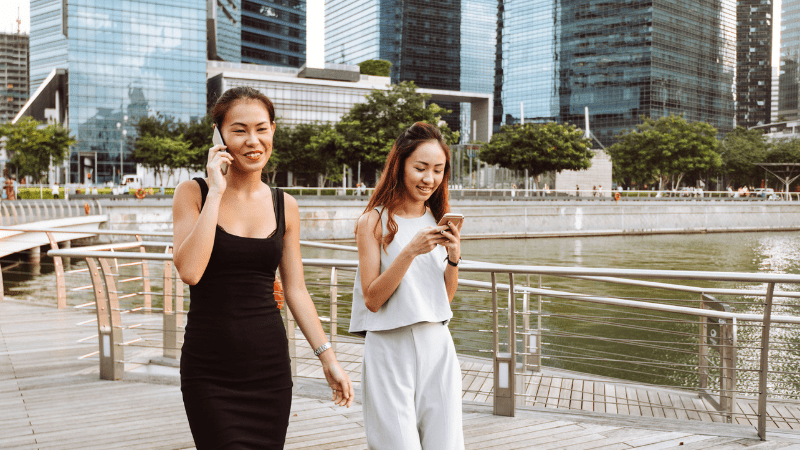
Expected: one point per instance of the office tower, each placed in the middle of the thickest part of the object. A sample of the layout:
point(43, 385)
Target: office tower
point(13, 74)
point(224, 30)
point(123, 61)
point(790, 56)
point(774, 88)
point(447, 45)
point(753, 62)
point(273, 32)
point(619, 58)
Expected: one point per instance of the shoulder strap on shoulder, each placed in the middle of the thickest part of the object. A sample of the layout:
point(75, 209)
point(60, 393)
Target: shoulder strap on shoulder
point(203, 190)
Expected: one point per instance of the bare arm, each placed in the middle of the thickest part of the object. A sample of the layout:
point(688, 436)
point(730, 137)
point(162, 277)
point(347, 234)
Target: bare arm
point(377, 286)
point(299, 301)
point(453, 246)
point(193, 230)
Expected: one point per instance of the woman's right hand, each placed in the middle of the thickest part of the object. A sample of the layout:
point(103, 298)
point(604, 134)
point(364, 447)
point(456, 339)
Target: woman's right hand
point(426, 240)
point(216, 156)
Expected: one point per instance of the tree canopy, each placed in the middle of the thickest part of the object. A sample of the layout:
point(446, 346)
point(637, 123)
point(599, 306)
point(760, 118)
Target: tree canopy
point(166, 145)
point(539, 148)
point(665, 149)
point(377, 67)
point(367, 132)
point(32, 147)
point(162, 154)
point(741, 150)
point(295, 151)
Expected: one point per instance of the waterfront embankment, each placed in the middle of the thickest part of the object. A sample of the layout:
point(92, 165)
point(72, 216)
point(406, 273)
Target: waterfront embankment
point(334, 219)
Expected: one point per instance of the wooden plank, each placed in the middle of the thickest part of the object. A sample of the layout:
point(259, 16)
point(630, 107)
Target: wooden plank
point(576, 396)
point(611, 399)
point(599, 397)
point(588, 396)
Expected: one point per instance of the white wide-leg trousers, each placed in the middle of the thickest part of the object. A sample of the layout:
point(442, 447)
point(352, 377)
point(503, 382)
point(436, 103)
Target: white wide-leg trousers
point(411, 387)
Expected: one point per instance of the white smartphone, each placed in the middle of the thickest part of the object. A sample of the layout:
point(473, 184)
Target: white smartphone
point(451, 217)
point(217, 140)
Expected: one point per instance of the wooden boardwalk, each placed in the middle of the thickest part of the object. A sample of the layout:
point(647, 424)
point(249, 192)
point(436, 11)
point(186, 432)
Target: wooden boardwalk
point(50, 399)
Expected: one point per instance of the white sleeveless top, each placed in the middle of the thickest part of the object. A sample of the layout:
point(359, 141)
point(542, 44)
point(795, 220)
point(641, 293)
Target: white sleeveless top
point(421, 295)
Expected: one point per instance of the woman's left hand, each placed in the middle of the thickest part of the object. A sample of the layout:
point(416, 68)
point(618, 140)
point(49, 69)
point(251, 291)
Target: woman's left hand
point(340, 383)
point(453, 243)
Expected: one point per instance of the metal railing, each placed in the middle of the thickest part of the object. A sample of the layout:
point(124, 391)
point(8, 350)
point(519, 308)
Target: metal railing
point(529, 331)
point(18, 212)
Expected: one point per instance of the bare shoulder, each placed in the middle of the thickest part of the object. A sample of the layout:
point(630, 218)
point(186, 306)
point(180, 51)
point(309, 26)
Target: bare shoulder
point(188, 192)
point(370, 221)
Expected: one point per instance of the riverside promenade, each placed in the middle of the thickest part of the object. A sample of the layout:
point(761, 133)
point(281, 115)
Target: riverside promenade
point(51, 398)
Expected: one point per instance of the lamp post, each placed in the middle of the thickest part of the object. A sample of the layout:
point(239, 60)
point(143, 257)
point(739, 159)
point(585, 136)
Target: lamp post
point(121, 142)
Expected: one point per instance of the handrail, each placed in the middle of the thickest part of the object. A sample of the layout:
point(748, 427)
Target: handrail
point(505, 364)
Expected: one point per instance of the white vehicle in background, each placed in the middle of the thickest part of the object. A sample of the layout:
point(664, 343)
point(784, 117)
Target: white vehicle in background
point(130, 182)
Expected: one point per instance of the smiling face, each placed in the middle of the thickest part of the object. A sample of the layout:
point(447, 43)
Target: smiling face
point(247, 130)
point(424, 171)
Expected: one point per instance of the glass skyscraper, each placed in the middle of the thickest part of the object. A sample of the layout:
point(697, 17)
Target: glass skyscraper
point(14, 90)
point(447, 45)
point(125, 60)
point(754, 62)
point(621, 59)
point(790, 58)
point(224, 30)
point(274, 32)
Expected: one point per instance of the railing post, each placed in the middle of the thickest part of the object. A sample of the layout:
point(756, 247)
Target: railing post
point(504, 364)
point(764, 365)
point(170, 336)
point(148, 299)
point(61, 284)
point(109, 333)
point(728, 369)
point(2, 289)
point(527, 336)
point(333, 308)
point(702, 365)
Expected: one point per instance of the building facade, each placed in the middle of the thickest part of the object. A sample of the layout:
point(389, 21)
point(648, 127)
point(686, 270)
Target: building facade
point(790, 57)
point(13, 75)
point(621, 59)
point(445, 45)
point(224, 26)
point(273, 33)
point(123, 61)
point(753, 62)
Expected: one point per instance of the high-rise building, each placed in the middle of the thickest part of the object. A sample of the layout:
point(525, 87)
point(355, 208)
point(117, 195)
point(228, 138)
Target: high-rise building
point(790, 58)
point(273, 32)
point(446, 45)
point(774, 100)
point(619, 58)
point(224, 30)
point(753, 62)
point(117, 62)
point(13, 74)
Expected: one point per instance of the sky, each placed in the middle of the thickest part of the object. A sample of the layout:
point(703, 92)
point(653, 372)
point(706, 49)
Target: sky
point(8, 23)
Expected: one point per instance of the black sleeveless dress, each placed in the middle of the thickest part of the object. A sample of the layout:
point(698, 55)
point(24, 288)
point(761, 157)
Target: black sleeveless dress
point(236, 378)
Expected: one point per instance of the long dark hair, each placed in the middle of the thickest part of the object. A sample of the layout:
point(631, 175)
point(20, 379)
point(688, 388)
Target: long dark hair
point(390, 191)
point(234, 95)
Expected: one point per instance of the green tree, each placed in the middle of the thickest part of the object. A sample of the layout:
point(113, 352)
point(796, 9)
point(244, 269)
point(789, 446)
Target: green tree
point(297, 153)
point(539, 148)
point(198, 134)
point(162, 154)
point(377, 67)
point(741, 150)
point(367, 132)
point(34, 147)
point(665, 149)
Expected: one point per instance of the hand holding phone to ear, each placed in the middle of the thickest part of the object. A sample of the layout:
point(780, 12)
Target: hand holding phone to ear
point(218, 161)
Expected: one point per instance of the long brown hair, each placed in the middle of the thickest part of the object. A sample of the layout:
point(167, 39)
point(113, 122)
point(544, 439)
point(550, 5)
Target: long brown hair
point(390, 191)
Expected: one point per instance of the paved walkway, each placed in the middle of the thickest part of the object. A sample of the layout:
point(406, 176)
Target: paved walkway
point(51, 399)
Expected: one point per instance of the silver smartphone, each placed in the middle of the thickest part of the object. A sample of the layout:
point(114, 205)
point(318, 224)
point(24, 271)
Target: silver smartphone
point(217, 140)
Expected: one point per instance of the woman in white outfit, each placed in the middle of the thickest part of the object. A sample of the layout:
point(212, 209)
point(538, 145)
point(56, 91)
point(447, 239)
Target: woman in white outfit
point(407, 276)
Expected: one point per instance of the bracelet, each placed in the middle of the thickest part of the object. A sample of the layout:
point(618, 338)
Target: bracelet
point(322, 348)
point(454, 264)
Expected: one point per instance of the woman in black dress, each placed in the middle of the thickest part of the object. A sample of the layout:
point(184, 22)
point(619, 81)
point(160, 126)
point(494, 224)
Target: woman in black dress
point(230, 234)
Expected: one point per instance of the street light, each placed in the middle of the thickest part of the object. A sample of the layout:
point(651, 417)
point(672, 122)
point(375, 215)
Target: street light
point(121, 141)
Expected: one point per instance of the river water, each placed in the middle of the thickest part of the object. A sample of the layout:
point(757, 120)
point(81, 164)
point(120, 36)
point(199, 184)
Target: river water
point(635, 345)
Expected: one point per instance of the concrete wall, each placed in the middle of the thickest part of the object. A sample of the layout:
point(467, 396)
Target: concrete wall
point(332, 219)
